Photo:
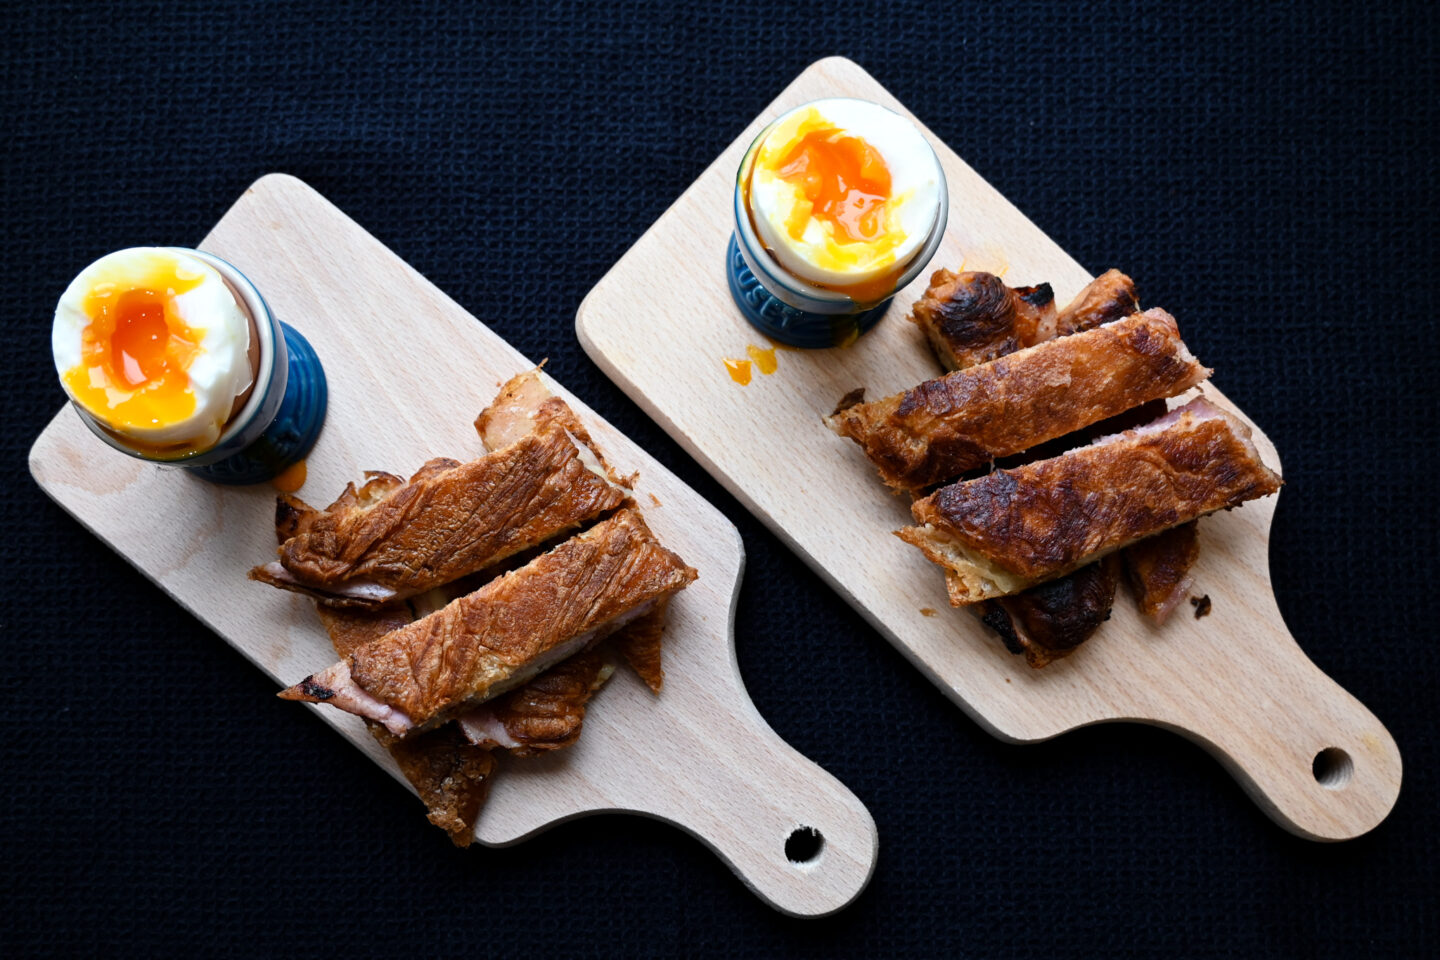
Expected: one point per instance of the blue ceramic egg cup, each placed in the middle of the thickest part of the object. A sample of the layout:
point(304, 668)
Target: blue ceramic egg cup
point(296, 424)
point(780, 321)
point(283, 416)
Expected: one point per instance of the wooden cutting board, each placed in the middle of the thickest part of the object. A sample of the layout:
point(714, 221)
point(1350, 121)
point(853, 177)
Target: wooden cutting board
point(408, 371)
point(660, 324)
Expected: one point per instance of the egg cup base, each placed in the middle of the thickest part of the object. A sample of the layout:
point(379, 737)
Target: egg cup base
point(293, 432)
point(790, 325)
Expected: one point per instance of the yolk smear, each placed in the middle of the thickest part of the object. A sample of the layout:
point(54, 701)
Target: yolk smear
point(739, 370)
point(136, 351)
point(290, 479)
point(764, 358)
point(845, 181)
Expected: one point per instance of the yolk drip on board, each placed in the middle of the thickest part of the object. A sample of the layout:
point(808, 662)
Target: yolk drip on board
point(739, 370)
point(761, 358)
point(290, 479)
point(135, 352)
point(764, 358)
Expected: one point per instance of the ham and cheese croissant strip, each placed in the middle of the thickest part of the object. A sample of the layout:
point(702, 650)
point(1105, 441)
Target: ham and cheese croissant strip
point(974, 317)
point(495, 639)
point(393, 539)
point(1004, 532)
point(964, 420)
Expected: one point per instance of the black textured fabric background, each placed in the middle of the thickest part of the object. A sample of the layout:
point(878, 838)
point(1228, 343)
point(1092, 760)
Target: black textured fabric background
point(1265, 172)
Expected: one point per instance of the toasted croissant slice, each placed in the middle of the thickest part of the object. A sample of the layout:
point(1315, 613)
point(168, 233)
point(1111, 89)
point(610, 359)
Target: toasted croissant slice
point(526, 405)
point(1105, 299)
point(962, 421)
point(1158, 569)
point(973, 318)
point(392, 539)
point(1051, 619)
point(545, 714)
point(1004, 532)
point(495, 639)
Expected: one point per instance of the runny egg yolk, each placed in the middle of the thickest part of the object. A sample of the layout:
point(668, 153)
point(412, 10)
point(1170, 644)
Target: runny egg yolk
point(842, 194)
point(136, 350)
point(844, 180)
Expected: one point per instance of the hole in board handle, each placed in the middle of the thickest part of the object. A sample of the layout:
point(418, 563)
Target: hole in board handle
point(804, 845)
point(1333, 768)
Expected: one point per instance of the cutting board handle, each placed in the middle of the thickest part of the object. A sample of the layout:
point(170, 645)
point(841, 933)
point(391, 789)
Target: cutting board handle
point(792, 833)
point(701, 757)
point(1314, 758)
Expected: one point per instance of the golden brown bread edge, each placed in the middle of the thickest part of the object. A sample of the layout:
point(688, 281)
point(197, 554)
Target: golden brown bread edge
point(1105, 299)
point(393, 539)
point(545, 714)
point(494, 639)
point(964, 420)
point(973, 317)
point(1004, 532)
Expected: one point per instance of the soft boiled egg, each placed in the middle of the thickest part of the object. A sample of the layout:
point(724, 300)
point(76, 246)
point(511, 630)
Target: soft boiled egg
point(153, 344)
point(844, 193)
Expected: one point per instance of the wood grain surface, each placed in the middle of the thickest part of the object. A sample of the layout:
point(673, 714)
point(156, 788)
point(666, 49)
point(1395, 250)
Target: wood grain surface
point(699, 755)
point(660, 324)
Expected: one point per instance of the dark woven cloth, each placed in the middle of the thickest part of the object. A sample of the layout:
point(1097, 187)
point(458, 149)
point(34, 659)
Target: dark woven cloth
point(1265, 172)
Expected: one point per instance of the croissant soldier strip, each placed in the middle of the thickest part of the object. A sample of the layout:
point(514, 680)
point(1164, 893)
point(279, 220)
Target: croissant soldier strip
point(392, 539)
point(1006, 531)
point(525, 403)
point(1051, 619)
point(548, 712)
point(1105, 299)
point(639, 644)
point(498, 637)
point(545, 714)
point(974, 317)
point(964, 420)
point(1158, 570)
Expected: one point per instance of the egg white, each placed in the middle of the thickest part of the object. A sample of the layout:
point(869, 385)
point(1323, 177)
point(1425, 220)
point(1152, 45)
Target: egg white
point(915, 180)
point(218, 374)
